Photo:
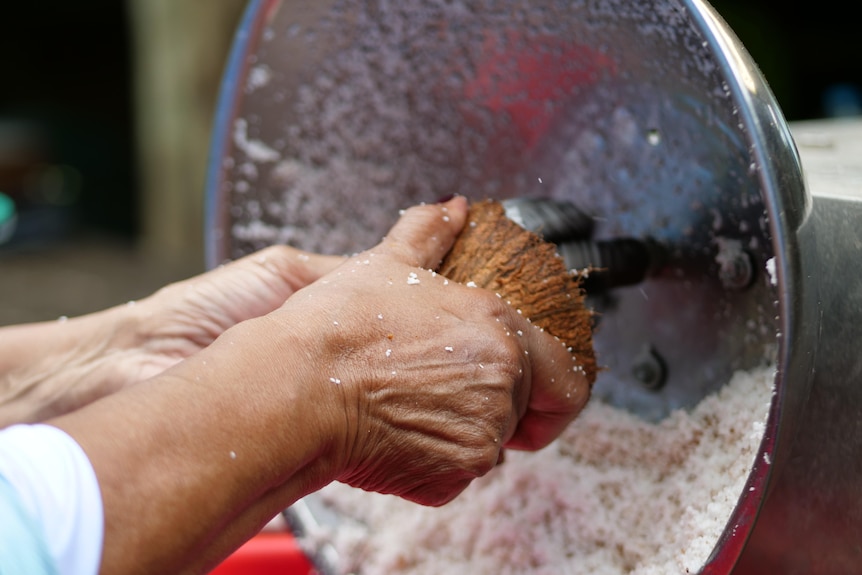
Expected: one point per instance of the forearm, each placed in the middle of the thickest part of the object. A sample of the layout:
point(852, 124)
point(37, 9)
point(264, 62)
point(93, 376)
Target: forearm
point(179, 496)
point(48, 368)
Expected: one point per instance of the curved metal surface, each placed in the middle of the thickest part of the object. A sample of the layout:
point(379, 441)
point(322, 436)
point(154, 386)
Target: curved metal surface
point(649, 116)
point(811, 521)
point(789, 207)
point(332, 131)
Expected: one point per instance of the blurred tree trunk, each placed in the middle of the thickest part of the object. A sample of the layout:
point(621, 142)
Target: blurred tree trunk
point(180, 49)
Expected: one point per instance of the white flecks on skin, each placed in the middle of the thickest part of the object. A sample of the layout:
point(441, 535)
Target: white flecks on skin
point(303, 257)
point(335, 323)
point(471, 284)
point(412, 279)
point(233, 454)
point(379, 316)
point(388, 353)
point(335, 380)
point(63, 319)
point(520, 333)
point(131, 303)
point(449, 348)
point(445, 282)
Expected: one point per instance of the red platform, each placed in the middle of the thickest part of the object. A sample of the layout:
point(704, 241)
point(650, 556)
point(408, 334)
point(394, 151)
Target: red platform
point(267, 554)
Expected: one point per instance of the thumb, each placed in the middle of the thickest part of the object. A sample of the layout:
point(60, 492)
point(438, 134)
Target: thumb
point(425, 234)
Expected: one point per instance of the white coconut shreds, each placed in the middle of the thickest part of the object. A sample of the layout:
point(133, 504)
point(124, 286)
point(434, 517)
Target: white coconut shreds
point(614, 494)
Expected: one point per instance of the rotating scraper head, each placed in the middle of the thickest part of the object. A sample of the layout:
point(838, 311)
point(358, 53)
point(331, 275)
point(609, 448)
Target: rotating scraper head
point(604, 264)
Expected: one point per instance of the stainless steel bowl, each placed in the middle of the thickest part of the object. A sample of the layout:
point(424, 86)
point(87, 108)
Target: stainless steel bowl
point(648, 115)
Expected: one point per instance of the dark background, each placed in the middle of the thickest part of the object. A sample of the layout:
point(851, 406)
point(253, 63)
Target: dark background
point(809, 52)
point(66, 117)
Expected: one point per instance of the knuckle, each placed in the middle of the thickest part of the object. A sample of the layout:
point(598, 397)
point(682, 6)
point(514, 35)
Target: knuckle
point(481, 456)
point(483, 461)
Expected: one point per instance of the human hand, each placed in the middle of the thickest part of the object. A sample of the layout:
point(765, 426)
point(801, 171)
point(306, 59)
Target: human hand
point(185, 317)
point(380, 374)
point(51, 368)
point(433, 377)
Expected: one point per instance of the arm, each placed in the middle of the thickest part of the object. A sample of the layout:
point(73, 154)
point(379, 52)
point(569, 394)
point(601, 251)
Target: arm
point(363, 377)
point(51, 368)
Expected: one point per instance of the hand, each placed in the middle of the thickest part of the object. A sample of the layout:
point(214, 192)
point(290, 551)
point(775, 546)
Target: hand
point(187, 316)
point(380, 374)
point(435, 377)
point(51, 368)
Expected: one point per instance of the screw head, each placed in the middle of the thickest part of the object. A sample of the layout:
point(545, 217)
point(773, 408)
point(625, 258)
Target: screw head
point(735, 268)
point(650, 369)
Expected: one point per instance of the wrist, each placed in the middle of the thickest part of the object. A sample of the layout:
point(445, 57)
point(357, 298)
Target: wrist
point(51, 368)
point(286, 394)
point(234, 435)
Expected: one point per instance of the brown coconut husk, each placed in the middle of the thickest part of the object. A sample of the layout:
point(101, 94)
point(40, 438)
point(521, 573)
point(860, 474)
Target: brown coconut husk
point(497, 254)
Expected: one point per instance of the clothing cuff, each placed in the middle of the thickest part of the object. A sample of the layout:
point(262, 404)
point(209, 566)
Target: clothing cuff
point(57, 486)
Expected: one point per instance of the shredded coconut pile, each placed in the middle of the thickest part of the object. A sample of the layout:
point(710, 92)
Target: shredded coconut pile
point(615, 494)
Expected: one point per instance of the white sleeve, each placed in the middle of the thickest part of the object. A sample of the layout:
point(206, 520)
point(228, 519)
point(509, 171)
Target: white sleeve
point(57, 485)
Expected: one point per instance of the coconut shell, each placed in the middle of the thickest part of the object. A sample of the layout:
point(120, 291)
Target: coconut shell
point(497, 254)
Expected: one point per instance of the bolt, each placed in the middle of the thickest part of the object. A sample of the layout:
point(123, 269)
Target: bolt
point(650, 369)
point(735, 268)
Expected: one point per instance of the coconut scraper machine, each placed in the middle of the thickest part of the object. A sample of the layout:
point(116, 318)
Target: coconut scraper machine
point(647, 116)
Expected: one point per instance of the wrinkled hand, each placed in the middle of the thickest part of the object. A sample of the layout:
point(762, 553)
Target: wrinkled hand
point(51, 368)
point(185, 317)
point(433, 378)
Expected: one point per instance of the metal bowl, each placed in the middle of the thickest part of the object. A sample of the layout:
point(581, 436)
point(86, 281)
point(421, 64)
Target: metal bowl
point(647, 115)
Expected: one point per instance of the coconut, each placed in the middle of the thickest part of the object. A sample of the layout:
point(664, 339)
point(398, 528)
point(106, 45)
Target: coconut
point(495, 253)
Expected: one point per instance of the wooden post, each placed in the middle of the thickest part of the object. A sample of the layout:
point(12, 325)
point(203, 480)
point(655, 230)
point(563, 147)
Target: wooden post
point(180, 49)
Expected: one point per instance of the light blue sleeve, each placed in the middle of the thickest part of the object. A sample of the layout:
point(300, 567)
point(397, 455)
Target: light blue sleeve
point(22, 542)
point(50, 504)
